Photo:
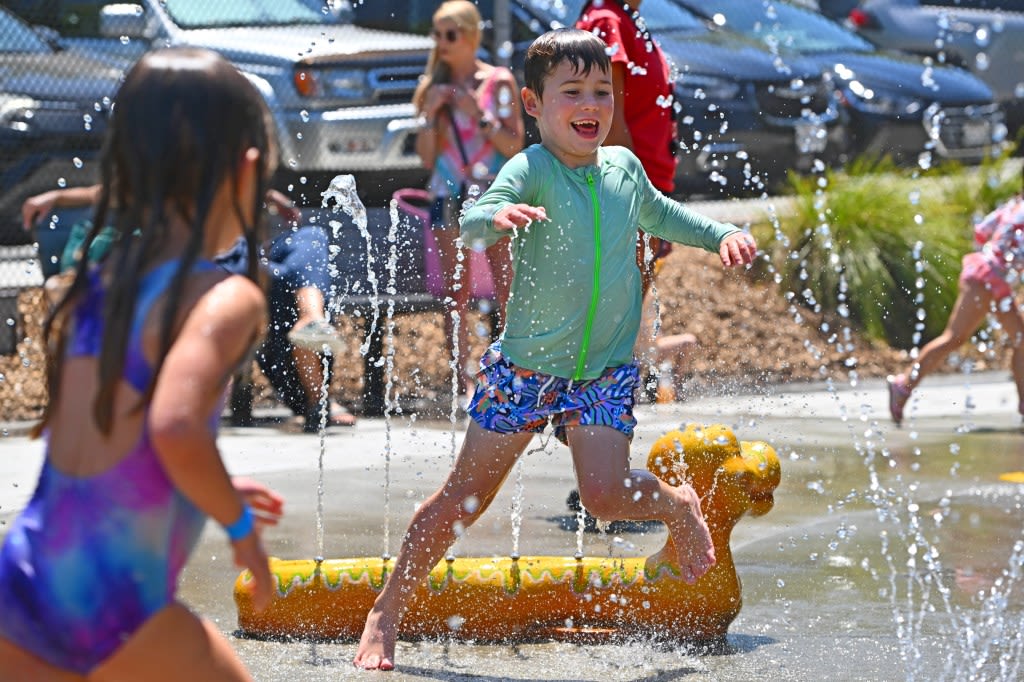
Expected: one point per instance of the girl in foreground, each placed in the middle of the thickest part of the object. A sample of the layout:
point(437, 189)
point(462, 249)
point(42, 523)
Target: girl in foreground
point(139, 353)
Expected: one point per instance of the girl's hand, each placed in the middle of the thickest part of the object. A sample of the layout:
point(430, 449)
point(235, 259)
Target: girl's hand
point(266, 504)
point(515, 216)
point(249, 553)
point(739, 248)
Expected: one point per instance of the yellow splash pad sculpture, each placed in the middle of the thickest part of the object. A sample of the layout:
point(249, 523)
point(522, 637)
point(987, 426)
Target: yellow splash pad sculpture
point(530, 598)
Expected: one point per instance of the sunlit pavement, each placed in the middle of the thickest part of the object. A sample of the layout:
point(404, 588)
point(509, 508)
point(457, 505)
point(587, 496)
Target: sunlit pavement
point(375, 472)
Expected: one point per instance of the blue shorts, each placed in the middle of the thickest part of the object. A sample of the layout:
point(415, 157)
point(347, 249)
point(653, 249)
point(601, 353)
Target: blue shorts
point(510, 399)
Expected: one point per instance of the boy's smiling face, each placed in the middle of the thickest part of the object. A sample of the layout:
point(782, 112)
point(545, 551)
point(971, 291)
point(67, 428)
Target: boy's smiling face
point(574, 114)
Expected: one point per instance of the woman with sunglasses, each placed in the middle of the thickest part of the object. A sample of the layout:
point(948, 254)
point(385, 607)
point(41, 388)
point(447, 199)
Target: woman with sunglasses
point(471, 123)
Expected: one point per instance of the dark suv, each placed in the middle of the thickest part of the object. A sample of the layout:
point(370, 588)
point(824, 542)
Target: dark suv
point(340, 94)
point(745, 116)
point(53, 112)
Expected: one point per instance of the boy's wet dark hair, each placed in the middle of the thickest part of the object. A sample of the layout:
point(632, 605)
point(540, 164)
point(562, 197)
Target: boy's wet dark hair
point(582, 49)
point(181, 124)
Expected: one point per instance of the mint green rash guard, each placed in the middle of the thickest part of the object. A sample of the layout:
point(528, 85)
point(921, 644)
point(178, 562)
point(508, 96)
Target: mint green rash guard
point(575, 303)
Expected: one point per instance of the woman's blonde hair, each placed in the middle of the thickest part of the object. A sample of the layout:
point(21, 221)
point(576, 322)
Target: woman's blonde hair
point(466, 18)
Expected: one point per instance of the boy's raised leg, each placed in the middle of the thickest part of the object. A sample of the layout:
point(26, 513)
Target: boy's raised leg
point(610, 490)
point(483, 464)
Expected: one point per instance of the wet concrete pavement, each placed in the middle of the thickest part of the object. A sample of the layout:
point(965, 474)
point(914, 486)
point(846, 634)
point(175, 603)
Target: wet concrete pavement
point(817, 591)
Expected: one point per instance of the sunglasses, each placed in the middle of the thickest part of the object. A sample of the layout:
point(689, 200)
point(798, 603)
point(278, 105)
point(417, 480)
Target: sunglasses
point(450, 35)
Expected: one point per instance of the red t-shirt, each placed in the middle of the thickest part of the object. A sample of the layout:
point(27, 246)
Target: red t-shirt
point(648, 108)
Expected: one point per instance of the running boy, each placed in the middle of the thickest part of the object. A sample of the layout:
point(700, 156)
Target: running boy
point(572, 209)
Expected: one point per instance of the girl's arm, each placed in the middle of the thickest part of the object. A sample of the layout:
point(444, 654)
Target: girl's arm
point(217, 332)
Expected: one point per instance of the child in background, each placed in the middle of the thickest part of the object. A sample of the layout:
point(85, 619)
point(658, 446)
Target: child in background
point(572, 209)
point(139, 351)
point(985, 279)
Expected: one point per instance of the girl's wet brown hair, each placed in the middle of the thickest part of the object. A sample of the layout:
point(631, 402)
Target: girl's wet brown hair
point(181, 124)
point(582, 49)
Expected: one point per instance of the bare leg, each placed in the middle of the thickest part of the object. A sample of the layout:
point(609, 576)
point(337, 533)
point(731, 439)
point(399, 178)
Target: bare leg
point(1013, 324)
point(17, 665)
point(609, 489)
point(480, 469)
point(175, 644)
point(969, 312)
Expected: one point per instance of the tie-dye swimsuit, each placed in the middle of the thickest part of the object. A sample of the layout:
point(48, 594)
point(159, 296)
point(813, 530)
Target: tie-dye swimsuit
point(90, 559)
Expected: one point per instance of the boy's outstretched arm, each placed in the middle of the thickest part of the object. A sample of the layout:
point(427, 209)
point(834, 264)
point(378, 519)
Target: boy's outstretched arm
point(737, 248)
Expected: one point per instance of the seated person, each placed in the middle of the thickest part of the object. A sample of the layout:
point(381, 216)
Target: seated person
point(299, 332)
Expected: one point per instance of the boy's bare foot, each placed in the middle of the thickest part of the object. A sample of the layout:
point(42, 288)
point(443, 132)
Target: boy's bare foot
point(689, 538)
point(377, 644)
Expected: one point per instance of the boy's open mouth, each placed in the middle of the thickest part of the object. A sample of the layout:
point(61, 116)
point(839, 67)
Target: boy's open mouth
point(586, 127)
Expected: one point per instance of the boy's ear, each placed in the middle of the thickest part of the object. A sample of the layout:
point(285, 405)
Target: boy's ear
point(531, 102)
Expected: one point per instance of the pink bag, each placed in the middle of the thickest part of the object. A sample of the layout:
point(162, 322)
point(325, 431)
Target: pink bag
point(415, 203)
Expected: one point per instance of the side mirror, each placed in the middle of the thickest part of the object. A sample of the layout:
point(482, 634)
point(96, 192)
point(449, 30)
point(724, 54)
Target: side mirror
point(122, 20)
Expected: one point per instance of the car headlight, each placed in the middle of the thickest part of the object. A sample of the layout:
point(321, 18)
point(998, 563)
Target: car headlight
point(699, 87)
point(17, 112)
point(341, 83)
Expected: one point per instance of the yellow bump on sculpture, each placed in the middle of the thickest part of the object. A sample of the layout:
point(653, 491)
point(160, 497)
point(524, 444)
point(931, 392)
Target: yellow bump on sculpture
point(504, 599)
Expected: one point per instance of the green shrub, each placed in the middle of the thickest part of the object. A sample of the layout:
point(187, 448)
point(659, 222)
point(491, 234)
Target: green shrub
point(882, 245)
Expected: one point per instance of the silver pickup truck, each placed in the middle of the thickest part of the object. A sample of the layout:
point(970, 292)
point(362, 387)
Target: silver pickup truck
point(340, 94)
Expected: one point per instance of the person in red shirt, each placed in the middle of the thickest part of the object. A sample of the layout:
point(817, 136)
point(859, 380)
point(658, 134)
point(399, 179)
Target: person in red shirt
point(645, 121)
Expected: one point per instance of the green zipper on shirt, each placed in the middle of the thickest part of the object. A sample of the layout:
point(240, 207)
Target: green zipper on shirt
point(581, 363)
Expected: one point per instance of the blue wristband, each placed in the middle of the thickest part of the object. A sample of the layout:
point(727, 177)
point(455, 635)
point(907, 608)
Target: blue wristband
point(243, 526)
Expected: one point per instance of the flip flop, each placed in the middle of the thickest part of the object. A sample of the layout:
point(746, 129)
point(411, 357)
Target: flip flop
point(898, 395)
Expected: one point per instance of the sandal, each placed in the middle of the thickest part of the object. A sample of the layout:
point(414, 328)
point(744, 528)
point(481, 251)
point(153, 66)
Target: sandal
point(899, 393)
point(338, 416)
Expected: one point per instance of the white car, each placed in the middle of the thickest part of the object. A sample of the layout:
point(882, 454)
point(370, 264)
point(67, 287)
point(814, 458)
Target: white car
point(340, 94)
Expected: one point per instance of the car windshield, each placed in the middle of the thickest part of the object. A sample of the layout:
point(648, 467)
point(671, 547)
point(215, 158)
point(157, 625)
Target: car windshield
point(17, 37)
point(661, 16)
point(781, 25)
point(222, 13)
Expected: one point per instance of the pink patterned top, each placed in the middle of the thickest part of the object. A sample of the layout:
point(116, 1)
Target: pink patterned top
point(1000, 235)
point(450, 170)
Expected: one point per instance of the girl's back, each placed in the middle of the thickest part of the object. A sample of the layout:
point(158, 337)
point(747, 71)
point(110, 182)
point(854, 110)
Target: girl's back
point(125, 530)
point(139, 353)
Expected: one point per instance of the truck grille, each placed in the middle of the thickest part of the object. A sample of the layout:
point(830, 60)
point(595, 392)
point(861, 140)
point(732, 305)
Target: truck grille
point(963, 131)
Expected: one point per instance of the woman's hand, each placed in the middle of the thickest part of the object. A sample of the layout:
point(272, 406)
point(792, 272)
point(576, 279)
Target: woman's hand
point(438, 95)
point(465, 101)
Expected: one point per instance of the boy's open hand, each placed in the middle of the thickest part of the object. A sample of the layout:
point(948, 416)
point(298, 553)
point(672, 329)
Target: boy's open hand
point(518, 215)
point(739, 248)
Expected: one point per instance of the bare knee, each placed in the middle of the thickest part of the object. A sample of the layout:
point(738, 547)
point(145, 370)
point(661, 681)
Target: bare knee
point(602, 500)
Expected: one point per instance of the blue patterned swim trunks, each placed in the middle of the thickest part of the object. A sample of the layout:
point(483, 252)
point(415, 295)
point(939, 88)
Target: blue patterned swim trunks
point(510, 399)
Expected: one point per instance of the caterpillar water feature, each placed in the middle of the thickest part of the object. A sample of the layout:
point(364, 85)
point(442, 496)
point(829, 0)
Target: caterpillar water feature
point(534, 597)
